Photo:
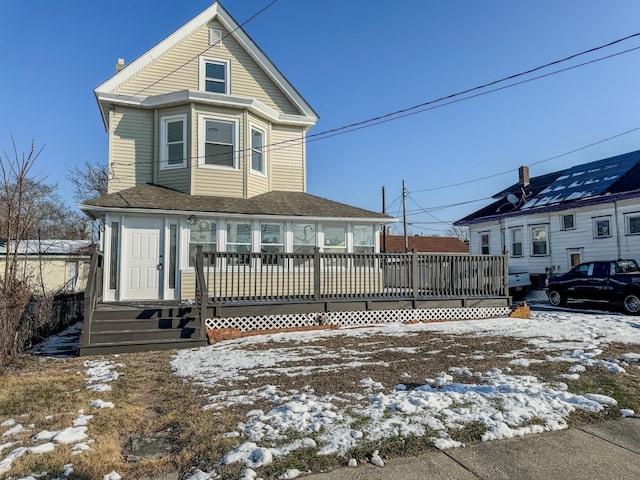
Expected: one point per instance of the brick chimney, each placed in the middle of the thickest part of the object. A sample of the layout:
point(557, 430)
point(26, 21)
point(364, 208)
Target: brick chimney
point(120, 64)
point(523, 176)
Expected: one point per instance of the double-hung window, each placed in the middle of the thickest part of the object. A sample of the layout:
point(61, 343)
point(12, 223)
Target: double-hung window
point(633, 224)
point(516, 242)
point(257, 150)
point(173, 151)
point(214, 75)
point(219, 143)
point(484, 243)
point(601, 227)
point(539, 240)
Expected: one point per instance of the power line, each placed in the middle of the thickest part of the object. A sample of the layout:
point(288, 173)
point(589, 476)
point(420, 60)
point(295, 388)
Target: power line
point(530, 164)
point(430, 105)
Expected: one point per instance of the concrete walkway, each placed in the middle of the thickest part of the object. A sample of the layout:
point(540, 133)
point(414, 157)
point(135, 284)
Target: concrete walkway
point(604, 451)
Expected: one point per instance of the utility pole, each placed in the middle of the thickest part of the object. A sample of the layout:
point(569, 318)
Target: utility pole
point(404, 217)
point(384, 226)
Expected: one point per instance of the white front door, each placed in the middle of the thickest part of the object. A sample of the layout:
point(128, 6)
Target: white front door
point(142, 259)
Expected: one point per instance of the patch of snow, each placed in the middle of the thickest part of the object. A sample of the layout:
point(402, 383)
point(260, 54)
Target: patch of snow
point(627, 412)
point(44, 448)
point(6, 462)
point(8, 423)
point(524, 362)
point(249, 454)
point(631, 357)
point(290, 474)
point(100, 404)
point(200, 475)
point(352, 463)
point(112, 476)
point(4, 446)
point(70, 435)
point(376, 460)
point(17, 428)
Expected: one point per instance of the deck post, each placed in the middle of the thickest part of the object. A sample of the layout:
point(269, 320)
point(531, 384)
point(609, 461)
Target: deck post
point(316, 274)
point(201, 291)
point(505, 275)
point(415, 274)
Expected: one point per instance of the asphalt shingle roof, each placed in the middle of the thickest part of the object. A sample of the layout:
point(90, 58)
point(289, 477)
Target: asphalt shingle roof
point(154, 197)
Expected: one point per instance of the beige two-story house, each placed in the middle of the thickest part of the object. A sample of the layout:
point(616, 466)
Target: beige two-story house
point(207, 147)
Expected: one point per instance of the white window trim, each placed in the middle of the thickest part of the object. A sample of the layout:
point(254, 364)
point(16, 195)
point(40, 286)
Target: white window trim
point(595, 228)
point(627, 222)
point(562, 227)
point(254, 126)
point(488, 235)
point(202, 121)
point(164, 150)
point(511, 242)
point(202, 74)
point(547, 242)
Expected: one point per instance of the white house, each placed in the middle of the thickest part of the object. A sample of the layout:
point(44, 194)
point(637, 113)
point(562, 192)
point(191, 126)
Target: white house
point(552, 222)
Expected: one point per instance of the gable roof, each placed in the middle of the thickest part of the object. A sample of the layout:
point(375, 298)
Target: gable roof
point(217, 12)
point(601, 181)
point(153, 198)
point(395, 243)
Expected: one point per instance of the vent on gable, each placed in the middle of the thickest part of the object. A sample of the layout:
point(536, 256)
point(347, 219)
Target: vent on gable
point(215, 37)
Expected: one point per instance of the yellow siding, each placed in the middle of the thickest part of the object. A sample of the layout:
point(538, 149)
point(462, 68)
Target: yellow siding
point(286, 159)
point(50, 273)
point(287, 284)
point(247, 78)
point(176, 178)
point(219, 181)
point(130, 148)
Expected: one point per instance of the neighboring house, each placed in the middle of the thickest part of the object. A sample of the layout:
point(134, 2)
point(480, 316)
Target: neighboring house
point(207, 147)
point(552, 222)
point(395, 243)
point(51, 266)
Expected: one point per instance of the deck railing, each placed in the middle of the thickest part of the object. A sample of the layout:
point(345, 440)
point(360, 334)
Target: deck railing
point(223, 278)
point(92, 293)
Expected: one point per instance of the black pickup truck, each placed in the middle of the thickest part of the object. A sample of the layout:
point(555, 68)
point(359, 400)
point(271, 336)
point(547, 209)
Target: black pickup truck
point(613, 281)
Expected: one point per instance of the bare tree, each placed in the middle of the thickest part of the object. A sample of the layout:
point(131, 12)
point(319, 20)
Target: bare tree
point(19, 197)
point(461, 233)
point(89, 180)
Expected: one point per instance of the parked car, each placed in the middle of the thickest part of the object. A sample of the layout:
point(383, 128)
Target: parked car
point(519, 280)
point(610, 281)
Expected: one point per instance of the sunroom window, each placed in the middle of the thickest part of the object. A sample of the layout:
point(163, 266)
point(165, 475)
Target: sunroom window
point(271, 241)
point(239, 240)
point(203, 233)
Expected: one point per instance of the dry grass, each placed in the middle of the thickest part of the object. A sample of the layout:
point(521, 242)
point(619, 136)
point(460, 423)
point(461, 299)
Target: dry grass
point(151, 402)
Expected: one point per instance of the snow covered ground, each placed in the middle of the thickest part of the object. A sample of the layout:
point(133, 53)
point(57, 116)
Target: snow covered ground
point(506, 404)
point(249, 375)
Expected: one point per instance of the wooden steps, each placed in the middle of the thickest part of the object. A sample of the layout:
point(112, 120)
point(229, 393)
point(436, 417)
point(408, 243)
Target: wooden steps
point(126, 329)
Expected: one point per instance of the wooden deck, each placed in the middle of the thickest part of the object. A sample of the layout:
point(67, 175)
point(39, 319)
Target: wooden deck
point(249, 285)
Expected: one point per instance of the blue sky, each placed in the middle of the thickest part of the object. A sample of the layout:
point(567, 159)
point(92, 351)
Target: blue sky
point(353, 60)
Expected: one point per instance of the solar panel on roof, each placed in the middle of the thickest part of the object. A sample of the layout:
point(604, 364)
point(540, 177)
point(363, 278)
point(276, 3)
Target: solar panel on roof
point(584, 181)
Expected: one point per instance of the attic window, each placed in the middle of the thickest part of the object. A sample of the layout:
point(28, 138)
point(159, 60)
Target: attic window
point(214, 75)
point(215, 37)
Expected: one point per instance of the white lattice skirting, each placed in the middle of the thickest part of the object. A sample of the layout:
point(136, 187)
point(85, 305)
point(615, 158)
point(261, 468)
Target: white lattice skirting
point(353, 318)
